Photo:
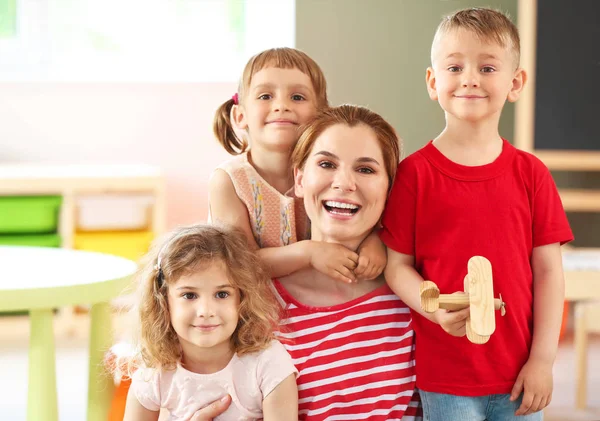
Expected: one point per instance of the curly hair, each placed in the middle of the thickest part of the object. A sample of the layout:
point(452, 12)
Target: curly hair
point(185, 251)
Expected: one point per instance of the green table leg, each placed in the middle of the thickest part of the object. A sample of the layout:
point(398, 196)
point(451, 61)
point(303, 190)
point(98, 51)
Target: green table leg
point(100, 386)
point(42, 403)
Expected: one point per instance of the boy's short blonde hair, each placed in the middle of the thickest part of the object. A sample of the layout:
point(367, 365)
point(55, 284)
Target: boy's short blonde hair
point(487, 24)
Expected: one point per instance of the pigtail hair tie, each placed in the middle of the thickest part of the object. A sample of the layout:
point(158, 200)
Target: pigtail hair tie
point(160, 275)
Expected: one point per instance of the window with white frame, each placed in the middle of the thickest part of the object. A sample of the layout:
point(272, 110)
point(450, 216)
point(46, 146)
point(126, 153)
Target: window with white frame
point(138, 40)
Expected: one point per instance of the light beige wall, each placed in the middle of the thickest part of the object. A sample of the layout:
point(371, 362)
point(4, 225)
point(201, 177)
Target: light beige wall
point(375, 52)
point(164, 124)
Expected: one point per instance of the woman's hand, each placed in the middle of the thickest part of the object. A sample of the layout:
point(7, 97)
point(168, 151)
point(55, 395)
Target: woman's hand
point(334, 260)
point(214, 409)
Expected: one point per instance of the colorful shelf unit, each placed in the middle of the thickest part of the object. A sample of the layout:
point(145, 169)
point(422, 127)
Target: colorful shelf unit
point(115, 209)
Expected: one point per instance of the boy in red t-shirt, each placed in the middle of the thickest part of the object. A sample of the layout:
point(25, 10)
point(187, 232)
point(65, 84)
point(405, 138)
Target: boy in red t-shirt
point(469, 192)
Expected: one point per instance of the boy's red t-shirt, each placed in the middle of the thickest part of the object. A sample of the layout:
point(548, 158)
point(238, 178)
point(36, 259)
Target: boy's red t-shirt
point(444, 213)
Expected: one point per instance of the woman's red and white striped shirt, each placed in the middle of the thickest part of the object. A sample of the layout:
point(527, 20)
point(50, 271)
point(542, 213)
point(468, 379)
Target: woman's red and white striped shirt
point(355, 360)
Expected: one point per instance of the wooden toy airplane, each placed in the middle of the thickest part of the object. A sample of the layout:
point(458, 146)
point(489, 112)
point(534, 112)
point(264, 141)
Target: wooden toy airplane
point(478, 295)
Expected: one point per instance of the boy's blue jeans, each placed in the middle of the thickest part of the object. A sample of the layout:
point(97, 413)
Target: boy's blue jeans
point(442, 407)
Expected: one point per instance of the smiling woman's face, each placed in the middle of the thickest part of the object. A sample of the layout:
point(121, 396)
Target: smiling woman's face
point(344, 184)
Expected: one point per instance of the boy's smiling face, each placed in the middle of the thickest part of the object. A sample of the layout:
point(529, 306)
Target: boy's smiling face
point(472, 78)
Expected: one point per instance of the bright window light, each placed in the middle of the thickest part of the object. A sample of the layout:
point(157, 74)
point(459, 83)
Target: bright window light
point(138, 40)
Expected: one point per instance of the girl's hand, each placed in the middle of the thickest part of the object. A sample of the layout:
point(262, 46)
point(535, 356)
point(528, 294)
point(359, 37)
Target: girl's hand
point(214, 409)
point(333, 260)
point(453, 322)
point(535, 382)
point(372, 258)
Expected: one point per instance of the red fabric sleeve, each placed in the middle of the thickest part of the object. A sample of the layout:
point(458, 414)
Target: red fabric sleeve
point(550, 224)
point(399, 216)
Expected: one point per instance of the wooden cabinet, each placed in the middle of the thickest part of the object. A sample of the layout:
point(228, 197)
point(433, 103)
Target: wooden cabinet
point(72, 182)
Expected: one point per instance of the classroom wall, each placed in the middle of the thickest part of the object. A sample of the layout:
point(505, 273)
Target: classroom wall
point(375, 53)
point(168, 125)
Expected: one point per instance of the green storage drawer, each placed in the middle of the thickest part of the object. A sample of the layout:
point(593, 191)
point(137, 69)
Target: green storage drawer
point(29, 214)
point(37, 240)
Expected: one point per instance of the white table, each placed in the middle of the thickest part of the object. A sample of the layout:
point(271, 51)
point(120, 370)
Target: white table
point(40, 279)
point(582, 285)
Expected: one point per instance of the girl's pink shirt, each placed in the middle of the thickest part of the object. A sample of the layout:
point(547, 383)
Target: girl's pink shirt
point(248, 379)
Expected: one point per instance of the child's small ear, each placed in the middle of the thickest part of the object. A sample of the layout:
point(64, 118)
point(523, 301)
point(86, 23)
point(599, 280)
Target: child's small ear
point(298, 182)
point(238, 117)
point(430, 81)
point(518, 83)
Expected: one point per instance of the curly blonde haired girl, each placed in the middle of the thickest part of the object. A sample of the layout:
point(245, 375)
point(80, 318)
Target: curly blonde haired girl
point(206, 315)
